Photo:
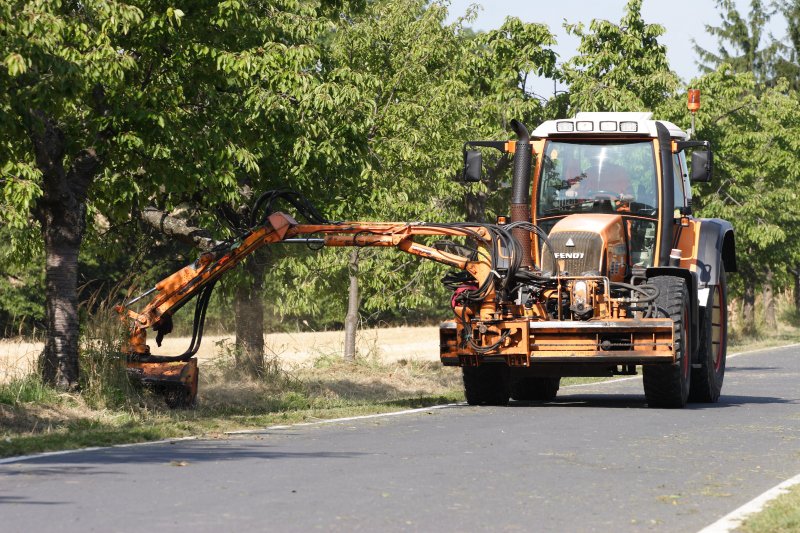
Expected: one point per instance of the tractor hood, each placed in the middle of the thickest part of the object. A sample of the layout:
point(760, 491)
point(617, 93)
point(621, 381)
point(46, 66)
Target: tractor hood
point(588, 244)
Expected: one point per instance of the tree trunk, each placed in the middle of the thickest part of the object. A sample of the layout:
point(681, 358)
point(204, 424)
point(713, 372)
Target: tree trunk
point(353, 302)
point(748, 308)
point(249, 309)
point(768, 294)
point(796, 274)
point(60, 357)
point(61, 212)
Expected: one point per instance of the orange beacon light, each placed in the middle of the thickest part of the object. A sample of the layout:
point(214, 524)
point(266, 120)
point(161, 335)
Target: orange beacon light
point(693, 102)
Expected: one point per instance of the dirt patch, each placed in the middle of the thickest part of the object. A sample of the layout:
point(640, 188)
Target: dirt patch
point(17, 356)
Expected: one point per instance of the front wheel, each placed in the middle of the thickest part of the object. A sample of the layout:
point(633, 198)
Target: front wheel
point(707, 379)
point(486, 384)
point(667, 385)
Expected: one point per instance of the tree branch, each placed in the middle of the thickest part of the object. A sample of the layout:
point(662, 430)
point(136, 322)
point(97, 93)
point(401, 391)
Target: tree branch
point(178, 229)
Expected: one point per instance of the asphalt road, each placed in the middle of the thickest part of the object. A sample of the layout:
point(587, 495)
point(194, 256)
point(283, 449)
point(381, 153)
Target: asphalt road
point(595, 460)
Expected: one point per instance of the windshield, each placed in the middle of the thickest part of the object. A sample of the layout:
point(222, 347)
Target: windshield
point(599, 177)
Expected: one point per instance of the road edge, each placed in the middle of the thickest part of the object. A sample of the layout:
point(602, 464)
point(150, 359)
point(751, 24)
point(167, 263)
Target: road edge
point(734, 519)
point(21, 458)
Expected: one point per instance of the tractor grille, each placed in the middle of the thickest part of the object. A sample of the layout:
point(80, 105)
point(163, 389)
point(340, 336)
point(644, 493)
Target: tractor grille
point(584, 256)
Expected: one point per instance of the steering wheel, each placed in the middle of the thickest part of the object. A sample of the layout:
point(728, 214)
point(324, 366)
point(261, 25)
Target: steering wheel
point(617, 201)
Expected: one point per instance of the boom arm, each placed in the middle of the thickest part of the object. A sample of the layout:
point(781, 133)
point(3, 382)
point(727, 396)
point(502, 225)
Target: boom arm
point(172, 292)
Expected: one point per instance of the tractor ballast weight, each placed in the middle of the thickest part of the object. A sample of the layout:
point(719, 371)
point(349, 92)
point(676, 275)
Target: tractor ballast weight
point(600, 269)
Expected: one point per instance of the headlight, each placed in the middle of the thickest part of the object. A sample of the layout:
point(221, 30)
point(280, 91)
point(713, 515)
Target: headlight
point(579, 295)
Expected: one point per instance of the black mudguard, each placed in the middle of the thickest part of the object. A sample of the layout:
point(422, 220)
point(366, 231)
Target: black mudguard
point(716, 245)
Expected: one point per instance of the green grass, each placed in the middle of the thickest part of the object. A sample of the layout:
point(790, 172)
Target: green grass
point(26, 390)
point(782, 515)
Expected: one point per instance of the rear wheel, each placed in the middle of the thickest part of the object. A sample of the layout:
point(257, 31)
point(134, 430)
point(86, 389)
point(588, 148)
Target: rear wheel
point(543, 389)
point(486, 384)
point(667, 385)
point(707, 380)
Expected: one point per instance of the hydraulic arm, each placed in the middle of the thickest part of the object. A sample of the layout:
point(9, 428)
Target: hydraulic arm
point(177, 375)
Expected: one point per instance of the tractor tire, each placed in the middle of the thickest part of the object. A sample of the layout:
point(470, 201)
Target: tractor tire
point(532, 389)
point(486, 385)
point(667, 384)
point(707, 380)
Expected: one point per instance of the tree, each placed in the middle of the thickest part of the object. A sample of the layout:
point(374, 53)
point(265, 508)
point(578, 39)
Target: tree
point(619, 67)
point(109, 107)
point(774, 71)
point(739, 42)
point(787, 60)
point(497, 70)
point(756, 168)
point(430, 86)
point(60, 65)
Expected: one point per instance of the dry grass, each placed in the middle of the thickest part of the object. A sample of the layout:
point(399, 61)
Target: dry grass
point(34, 418)
point(325, 380)
point(18, 355)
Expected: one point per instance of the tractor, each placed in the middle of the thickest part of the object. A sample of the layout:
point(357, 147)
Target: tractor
point(600, 269)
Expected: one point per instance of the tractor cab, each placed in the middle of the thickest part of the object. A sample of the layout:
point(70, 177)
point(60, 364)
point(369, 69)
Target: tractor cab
point(614, 180)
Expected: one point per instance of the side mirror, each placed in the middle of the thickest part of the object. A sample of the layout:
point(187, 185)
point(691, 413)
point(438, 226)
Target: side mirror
point(702, 166)
point(473, 166)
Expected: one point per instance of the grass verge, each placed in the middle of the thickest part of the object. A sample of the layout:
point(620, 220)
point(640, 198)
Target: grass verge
point(781, 515)
point(35, 418)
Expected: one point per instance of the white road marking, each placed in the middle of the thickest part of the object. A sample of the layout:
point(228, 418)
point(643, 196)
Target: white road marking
point(20, 458)
point(639, 376)
point(319, 422)
point(346, 419)
point(734, 519)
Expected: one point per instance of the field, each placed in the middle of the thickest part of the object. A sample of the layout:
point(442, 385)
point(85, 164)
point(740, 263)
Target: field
point(291, 350)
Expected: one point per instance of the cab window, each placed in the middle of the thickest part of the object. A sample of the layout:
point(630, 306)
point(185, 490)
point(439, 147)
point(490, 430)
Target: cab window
point(679, 174)
point(586, 177)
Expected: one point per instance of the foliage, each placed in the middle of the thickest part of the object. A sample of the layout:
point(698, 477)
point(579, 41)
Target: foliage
point(426, 87)
point(739, 42)
point(787, 60)
point(751, 117)
point(619, 67)
point(147, 104)
point(362, 106)
point(21, 298)
point(498, 67)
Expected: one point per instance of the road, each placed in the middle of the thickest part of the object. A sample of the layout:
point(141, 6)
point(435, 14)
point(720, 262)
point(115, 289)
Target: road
point(595, 460)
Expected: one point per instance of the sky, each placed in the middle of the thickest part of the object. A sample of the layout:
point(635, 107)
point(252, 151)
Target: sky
point(684, 20)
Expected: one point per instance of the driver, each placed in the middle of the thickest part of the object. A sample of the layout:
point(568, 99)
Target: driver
point(607, 180)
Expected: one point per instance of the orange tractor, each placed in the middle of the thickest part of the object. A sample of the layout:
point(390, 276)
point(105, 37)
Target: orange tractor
point(603, 270)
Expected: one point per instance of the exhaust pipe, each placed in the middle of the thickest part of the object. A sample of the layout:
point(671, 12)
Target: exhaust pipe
point(520, 190)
